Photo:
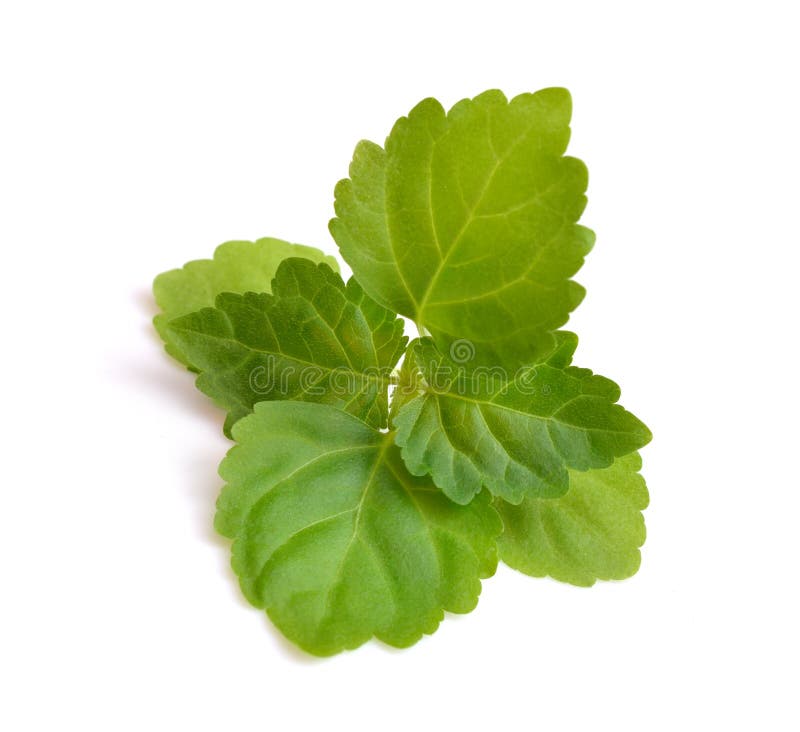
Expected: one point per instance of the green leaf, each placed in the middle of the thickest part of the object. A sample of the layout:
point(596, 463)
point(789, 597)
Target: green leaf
point(593, 532)
point(466, 221)
point(337, 541)
point(314, 339)
point(514, 433)
point(237, 266)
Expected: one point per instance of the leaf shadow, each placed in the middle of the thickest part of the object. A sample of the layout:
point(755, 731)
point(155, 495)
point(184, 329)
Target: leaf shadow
point(168, 378)
point(171, 381)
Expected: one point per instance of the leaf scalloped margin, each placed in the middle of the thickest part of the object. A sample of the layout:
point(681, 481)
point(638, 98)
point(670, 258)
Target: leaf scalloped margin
point(383, 555)
point(314, 338)
point(466, 221)
point(594, 532)
point(516, 435)
point(236, 266)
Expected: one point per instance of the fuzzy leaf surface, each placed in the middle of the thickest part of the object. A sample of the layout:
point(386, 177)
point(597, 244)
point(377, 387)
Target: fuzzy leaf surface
point(237, 266)
point(313, 339)
point(516, 433)
point(592, 532)
point(466, 221)
point(337, 541)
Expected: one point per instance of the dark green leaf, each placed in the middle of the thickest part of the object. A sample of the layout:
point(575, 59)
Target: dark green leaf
point(314, 339)
point(515, 433)
point(237, 266)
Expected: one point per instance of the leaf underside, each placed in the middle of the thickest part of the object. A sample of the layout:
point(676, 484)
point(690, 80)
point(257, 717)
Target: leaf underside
point(336, 540)
point(593, 532)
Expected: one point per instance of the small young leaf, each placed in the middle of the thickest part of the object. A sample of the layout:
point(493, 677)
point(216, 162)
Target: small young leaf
point(314, 339)
point(337, 541)
point(237, 266)
point(593, 532)
point(515, 433)
point(466, 222)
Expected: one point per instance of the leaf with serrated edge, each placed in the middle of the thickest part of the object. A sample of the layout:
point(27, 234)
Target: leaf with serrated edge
point(515, 433)
point(237, 266)
point(337, 541)
point(592, 532)
point(467, 221)
point(314, 339)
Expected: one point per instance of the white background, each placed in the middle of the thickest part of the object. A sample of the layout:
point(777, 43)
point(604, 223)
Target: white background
point(137, 136)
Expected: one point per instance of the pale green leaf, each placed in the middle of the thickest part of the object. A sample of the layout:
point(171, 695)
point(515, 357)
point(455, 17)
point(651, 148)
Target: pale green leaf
point(314, 339)
point(237, 266)
point(336, 540)
point(516, 433)
point(466, 221)
point(593, 532)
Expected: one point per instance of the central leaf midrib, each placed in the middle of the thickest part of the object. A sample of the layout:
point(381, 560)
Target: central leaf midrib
point(383, 381)
point(549, 418)
point(468, 219)
point(387, 443)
